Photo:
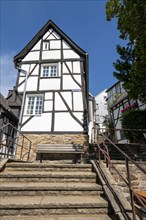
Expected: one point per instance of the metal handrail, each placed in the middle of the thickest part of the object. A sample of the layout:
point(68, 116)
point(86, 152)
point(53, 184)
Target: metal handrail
point(9, 138)
point(106, 154)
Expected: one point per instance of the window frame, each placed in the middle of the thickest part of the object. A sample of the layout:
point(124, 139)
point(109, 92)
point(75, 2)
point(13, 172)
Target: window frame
point(50, 72)
point(46, 45)
point(35, 111)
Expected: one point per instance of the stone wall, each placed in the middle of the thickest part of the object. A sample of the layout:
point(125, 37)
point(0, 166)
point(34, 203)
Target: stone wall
point(51, 139)
point(138, 179)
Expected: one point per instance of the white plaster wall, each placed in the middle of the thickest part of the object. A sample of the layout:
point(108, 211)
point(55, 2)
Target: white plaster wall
point(70, 54)
point(69, 64)
point(46, 35)
point(55, 54)
point(26, 67)
point(91, 131)
point(56, 35)
point(65, 45)
point(37, 46)
point(50, 84)
point(32, 83)
point(32, 56)
point(21, 78)
point(38, 123)
point(68, 98)
point(76, 67)
point(65, 70)
point(55, 44)
point(102, 111)
point(48, 105)
point(48, 95)
point(65, 122)
point(35, 71)
point(77, 78)
point(78, 101)
point(59, 104)
point(69, 83)
point(79, 116)
point(50, 37)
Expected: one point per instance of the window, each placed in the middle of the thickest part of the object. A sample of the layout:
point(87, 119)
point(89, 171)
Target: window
point(105, 106)
point(46, 46)
point(50, 71)
point(34, 105)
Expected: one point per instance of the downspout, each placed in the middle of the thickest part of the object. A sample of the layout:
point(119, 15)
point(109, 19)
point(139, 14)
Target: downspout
point(22, 108)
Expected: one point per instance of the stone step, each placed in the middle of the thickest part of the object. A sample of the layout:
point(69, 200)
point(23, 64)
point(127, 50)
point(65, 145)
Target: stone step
point(48, 167)
point(46, 188)
point(60, 217)
point(47, 205)
point(45, 176)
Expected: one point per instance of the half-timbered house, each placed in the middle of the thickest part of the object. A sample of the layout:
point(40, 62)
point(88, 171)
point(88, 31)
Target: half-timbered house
point(56, 102)
point(118, 100)
point(8, 122)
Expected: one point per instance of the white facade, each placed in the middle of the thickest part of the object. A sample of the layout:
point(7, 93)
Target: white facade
point(56, 92)
point(91, 126)
point(101, 109)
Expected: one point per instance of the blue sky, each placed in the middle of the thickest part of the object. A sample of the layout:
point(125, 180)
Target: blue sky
point(84, 21)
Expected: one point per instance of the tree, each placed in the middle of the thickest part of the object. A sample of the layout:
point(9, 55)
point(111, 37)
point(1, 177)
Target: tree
point(134, 119)
point(131, 66)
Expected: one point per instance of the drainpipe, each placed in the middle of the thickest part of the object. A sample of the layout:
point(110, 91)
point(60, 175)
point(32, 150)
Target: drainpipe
point(22, 107)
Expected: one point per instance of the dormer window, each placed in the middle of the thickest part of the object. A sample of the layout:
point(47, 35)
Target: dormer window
point(50, 70)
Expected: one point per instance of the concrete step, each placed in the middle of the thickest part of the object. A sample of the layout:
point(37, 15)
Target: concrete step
point(45, 176)
point(48, 188)
point(48, 167)
point(47, 205)
point(60, 217)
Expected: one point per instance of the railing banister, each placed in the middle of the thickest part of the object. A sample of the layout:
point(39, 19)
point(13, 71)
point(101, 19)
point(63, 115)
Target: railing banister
point(8, 131)
point(124, 154)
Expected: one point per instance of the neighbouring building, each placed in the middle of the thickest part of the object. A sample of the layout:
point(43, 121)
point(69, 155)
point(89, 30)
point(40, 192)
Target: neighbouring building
point(101, 109)
point(7, 114)
point(56, 102)
point(8, 121)
point(118, 100)
point(91, 125)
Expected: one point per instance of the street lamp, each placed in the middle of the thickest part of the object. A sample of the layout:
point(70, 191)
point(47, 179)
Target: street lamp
point(22, 106)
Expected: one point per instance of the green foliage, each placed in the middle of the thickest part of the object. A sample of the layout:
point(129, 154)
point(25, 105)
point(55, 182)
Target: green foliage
point(131, 22)
point(109, 123)
point(134, 119)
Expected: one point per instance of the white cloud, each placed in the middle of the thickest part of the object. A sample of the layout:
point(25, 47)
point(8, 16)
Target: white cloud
point(8, 73)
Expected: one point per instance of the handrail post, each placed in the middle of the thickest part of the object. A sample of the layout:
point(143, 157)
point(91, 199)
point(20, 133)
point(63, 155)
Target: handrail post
point(99, 156)
point(29, 151)
point(130, 191)
point(22, 147)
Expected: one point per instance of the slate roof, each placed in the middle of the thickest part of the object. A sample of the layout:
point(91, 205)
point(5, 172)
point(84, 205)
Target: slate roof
point(6, 108)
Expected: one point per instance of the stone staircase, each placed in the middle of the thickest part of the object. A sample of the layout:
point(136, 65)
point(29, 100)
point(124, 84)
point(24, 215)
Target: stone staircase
point(134, 151)
point(51, 191)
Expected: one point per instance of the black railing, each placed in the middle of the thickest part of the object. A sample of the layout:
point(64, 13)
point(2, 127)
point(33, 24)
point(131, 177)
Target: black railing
point(13, 144)
point(104, 154)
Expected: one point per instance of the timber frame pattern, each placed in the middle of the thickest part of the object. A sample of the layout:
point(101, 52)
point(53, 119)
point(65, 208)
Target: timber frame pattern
point(52, 35)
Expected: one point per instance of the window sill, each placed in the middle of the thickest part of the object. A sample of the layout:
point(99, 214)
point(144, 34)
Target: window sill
point(26, 115)
point(49, 77)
